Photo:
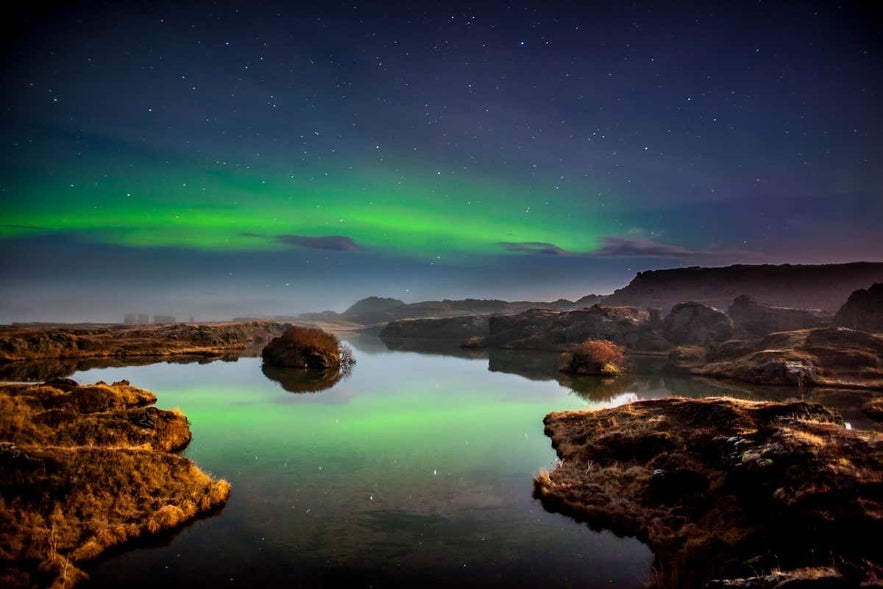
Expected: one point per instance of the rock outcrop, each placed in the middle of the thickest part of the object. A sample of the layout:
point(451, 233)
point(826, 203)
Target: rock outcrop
point(752, 319)
point(824, 287)
point(542, 329)
point(863, 310)
point(828, 356)
point(725, 489)
point(447, 328)
point(695, 324)
point(298, 380)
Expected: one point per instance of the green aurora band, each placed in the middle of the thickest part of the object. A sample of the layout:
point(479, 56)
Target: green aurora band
point(419, 214)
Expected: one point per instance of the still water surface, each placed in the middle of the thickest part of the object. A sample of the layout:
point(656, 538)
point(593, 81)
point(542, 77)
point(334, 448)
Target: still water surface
point(415, 470)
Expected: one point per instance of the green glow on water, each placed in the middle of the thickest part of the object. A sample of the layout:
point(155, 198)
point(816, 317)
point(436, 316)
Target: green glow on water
point(414, 466)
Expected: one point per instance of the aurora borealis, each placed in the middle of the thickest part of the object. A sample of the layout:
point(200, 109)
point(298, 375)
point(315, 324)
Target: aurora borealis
point(221, 158)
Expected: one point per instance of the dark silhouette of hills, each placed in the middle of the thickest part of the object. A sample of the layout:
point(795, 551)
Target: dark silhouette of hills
point(381, 310)
point(825, 287)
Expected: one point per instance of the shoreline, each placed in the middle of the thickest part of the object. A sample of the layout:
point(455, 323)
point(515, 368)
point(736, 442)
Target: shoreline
point(85, 468)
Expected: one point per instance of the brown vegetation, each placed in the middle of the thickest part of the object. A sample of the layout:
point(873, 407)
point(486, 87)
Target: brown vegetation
point(123, 341)
point(721, 488)
point(84, 468)
point(306, 347)
point(594, 357)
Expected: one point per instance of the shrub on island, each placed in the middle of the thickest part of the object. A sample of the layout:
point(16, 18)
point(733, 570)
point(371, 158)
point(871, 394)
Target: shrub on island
point(594, 357)
point(307, 347)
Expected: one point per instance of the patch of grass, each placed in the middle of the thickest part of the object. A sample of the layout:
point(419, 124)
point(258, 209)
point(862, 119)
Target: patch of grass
point(594, 357)
point(309, 337)
point(86, 468)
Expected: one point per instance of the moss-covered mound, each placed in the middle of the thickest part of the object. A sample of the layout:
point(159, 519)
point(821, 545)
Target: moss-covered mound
point(84, 468)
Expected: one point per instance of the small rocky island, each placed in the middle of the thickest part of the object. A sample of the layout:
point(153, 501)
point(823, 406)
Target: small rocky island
point(84, 468)
point(306, 360)
point(303, 347)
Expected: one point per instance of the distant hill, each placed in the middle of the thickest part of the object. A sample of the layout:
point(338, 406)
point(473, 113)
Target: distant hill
point(825, 287)
point(380, 310)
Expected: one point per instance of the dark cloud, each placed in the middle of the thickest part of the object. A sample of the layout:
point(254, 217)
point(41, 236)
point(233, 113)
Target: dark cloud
point(628, 247)
point(339, 243)
point(250, 234)
point(532, 247)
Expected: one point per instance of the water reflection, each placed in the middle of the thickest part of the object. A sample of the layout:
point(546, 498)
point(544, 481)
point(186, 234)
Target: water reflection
point(650, 377)
point(415, 470)
point(43, 370)
point(433, 347)
point(302, 380)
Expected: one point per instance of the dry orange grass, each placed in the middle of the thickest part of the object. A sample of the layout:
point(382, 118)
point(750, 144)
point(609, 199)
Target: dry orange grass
point(594, 356)
point(308, 337)
point(73, 484)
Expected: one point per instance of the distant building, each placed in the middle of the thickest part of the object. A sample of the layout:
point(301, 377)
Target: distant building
point(164, 319)
point(143, 318)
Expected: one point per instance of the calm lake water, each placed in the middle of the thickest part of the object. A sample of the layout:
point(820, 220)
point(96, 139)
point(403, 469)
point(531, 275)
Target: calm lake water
point(415, 470)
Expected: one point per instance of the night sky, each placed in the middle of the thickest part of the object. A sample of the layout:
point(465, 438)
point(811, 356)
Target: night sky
point(220, 159)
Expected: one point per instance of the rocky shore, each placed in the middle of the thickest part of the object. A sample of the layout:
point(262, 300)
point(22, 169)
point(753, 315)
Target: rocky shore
point(84, 468)
point(830, 357)
point(726, 493)
point(22, 343)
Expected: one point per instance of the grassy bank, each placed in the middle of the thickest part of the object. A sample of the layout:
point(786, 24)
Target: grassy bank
point(85, 468)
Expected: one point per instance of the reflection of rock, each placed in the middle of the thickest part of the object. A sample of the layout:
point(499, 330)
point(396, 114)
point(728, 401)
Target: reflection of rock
point(830, 356)
point(863, 310)
point(539, 329)
point(41, 370)
point(433, 347)
point(533, 364)
point(301, 380)
point(720, 488)
point(596, 388)
point(752, 319)
point(695, 324)
point(682, 358)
